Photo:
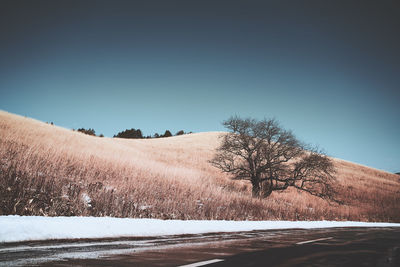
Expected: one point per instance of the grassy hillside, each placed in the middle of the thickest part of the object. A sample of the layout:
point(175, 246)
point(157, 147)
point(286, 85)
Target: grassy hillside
point(48, 170)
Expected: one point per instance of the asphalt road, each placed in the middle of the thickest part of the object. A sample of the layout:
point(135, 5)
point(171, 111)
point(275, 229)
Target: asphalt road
point(297, 247)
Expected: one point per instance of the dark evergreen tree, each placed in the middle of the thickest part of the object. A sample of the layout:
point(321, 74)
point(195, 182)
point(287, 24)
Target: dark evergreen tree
point(132, 133)
point(87, 131)
point(181, 132)
point(167, 134)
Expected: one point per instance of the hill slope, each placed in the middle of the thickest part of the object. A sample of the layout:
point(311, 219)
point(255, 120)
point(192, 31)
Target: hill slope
point(48, 170)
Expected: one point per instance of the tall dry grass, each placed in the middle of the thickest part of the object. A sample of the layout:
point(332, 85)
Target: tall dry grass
point(48, 170)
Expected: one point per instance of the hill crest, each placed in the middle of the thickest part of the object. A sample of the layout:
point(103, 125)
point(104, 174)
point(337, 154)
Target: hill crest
point(62, 172)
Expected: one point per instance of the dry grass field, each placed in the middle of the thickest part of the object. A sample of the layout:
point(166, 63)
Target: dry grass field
point(49, 170)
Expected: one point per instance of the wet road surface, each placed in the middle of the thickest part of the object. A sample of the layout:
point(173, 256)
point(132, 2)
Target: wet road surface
point(297, 247)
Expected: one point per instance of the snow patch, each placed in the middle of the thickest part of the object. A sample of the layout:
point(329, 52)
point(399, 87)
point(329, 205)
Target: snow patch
point(24, 228)
point(87, 200)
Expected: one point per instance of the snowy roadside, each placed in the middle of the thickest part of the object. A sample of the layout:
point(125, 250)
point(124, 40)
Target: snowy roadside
point(24, 228)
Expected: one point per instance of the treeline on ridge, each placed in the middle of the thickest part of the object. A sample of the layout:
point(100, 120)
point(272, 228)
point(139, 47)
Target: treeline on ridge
point(132, 133)
point(137, 134)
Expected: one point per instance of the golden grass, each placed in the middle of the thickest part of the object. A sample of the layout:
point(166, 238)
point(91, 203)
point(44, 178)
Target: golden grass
point(48, 170)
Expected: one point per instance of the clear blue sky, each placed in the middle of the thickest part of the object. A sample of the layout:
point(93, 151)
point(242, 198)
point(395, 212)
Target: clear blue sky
point(328, 70)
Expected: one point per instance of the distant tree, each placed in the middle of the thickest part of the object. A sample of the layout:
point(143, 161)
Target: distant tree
point(131, 133)
point(167, 134)
point(101, 135)
point(87, 131)
point(181, 132)
point(272, 159)
point(156, 135)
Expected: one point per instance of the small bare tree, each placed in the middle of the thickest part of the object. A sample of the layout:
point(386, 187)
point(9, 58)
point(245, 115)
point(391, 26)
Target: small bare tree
point(272, 159)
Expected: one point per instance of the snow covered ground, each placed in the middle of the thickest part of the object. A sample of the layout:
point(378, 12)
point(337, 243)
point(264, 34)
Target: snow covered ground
point(24, 228)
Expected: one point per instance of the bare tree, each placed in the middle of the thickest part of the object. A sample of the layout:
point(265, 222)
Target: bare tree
point(272, 159)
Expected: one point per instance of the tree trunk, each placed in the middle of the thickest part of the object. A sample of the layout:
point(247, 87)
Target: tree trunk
point(266, 188)
point(256, 187)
